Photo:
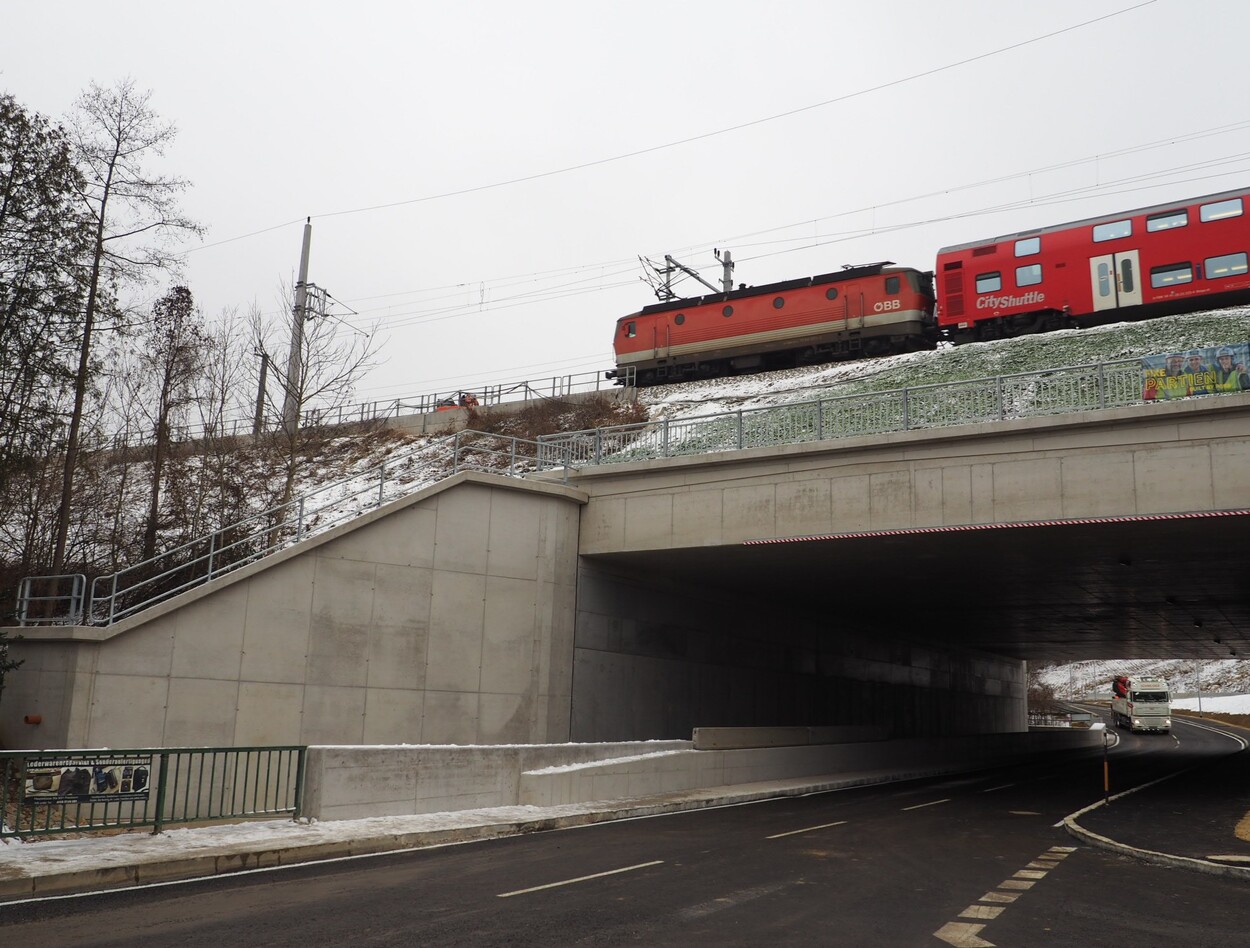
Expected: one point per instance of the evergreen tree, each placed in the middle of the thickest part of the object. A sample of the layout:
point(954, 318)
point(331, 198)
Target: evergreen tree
point(43, 240)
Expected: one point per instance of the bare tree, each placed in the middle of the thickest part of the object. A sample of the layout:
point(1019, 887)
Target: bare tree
point(132, 212)
point(333, 358)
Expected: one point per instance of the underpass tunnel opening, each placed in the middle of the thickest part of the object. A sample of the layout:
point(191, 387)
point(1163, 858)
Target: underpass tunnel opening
point(660, 650)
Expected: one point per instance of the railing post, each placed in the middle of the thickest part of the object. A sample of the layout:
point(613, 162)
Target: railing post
point(998, 394)
point(664, 430)
point(1102, 385)
point(820, 419)
point(381, 482)
point(598, 446)
point(299, 522)
point(113, 600)
point(512, 460)
point(740, 444)
point(212, 550)
point(299, 783)
point(162, 779)
point(906, 411)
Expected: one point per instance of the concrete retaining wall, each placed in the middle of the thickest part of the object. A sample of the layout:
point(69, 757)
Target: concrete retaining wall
point(445, 616)
point(656, 657)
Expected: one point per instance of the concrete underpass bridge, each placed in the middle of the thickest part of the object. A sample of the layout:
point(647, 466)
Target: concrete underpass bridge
point(901, 580)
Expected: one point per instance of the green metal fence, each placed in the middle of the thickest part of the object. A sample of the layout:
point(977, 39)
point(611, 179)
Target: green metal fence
point(74, 791)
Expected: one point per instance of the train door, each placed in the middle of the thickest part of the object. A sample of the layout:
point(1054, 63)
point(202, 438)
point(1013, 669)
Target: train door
point(663, 337)
point(1116, 280)
point(855, 308)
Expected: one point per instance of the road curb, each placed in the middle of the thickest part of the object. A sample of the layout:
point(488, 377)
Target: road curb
point(1156, 858)
point(243, 859)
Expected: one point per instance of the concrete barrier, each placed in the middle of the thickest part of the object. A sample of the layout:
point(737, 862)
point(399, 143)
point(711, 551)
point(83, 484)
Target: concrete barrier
point(724, 738)
point(346, 782)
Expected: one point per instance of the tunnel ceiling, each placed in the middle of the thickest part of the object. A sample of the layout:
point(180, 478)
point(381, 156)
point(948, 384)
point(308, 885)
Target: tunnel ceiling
point(1147, 588)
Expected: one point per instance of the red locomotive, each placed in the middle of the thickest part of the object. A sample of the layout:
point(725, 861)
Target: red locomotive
point(860, 311)
point(1154, 261)
point(1170, 258)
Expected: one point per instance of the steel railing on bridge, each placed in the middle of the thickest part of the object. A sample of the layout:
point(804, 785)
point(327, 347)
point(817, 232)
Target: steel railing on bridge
point(1029, 394)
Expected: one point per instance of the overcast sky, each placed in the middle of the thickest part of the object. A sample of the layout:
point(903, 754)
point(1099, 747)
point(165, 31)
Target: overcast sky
point(483, 176)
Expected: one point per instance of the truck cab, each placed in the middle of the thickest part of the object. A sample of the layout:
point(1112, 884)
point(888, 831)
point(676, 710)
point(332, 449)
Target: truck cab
point(1141, 704)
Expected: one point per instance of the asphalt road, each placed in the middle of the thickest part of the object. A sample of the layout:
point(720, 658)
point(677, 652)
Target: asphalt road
point(970, 860)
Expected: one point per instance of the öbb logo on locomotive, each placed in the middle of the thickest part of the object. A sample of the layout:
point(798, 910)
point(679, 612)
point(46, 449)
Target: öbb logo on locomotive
point(1184, 256)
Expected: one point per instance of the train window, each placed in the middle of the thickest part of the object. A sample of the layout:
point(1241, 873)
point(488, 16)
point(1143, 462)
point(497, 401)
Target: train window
point(727, 311)
point(1112, 231)
point(778, 302)
point(1220, 210)
point(1104, 280)
point(1128, 280)
point(1229, 264)
point(1028, 246)
point(891, 284)
point(1172, 274)
point(1029, 276)
point(989, 282)
point(679, 318)
point(831, 293)
point(631, 330)
point(1166, 221)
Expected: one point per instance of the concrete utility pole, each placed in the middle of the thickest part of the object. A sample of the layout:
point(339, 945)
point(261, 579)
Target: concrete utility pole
point(1200, 688)
point(258, 420)
point(291, 406)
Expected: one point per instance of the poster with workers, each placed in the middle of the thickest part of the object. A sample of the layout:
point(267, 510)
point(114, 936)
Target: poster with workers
point(1207, 371)
point(86, 780)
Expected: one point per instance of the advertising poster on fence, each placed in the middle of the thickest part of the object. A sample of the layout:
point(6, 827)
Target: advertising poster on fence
point(87, 780)
point(1196, 372)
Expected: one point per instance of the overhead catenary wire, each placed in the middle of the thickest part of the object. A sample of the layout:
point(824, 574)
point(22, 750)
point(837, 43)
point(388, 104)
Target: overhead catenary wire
point(520, 179)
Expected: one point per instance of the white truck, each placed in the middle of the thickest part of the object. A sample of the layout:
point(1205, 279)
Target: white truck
point(1141, 704)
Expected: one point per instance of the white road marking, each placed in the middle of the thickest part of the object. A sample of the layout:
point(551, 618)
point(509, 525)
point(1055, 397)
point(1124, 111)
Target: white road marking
point(729, 901)
point(1001, 787)
point(920, 806)
point(962, 935)
point(968, 935)
point(1016, 884)
point(1024, 813)
point(808, 829)
point(597, 875)
point(982, 911)
point(1230, 858)
point(1000, 896)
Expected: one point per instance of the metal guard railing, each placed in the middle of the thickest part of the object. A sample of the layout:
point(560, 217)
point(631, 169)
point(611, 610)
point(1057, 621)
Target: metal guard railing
point(487, 394)
point(71, 791)
point(117, 595)
point(1054, 391)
